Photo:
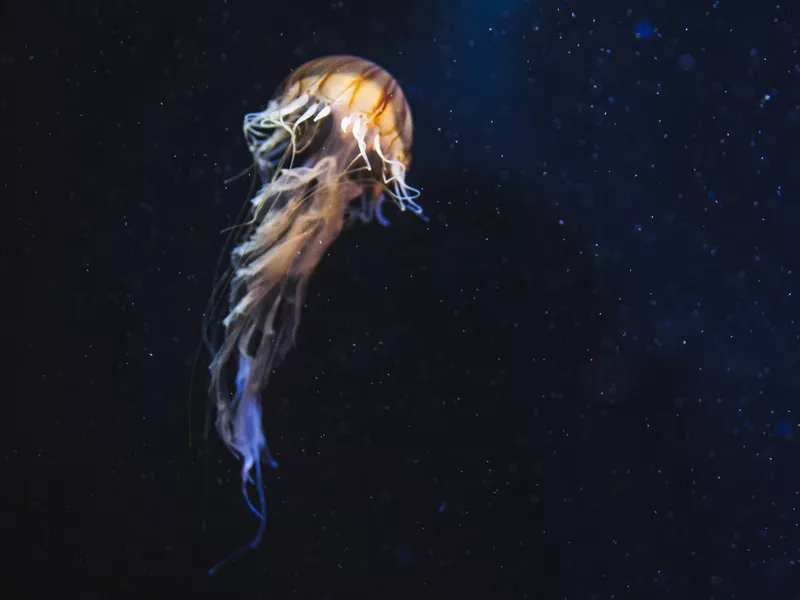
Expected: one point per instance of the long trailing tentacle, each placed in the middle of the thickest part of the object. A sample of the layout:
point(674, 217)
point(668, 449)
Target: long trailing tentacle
point(257, 444)
point(303, 214)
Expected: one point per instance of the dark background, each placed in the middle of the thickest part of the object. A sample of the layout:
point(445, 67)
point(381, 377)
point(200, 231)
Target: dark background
point(578, 380)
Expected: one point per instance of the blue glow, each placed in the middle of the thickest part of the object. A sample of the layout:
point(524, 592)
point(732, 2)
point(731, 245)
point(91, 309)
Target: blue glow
point(644, 30)
point(262, 513)
point(251, 444)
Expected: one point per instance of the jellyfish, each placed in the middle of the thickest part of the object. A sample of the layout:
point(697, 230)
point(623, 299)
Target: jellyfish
point(332, 147)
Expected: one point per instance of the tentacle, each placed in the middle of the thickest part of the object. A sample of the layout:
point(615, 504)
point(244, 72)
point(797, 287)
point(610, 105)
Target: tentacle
point(403, 193)
point(370, 207)
point(262, 514)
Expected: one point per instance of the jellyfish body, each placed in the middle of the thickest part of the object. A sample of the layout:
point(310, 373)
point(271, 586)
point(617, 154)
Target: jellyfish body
point(338, 131)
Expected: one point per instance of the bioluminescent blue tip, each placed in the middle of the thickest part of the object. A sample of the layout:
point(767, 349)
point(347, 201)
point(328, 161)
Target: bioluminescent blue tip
point(261, 514)
point(250, 442)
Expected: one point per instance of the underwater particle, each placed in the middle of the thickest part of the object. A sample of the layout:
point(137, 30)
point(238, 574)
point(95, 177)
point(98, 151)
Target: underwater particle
point(644, 30)
point(686, 61)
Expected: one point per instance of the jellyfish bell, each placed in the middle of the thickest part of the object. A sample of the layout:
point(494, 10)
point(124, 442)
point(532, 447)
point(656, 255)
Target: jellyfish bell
point(338, 130)
point(364, 109)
